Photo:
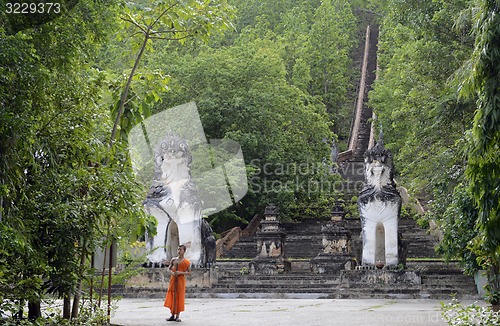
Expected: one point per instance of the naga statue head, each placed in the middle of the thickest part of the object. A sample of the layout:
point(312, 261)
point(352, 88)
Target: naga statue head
point(378, 165)
point(172, 156)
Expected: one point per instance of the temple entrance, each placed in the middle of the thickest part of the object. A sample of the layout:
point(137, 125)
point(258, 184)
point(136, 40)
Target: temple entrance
point(380, 243)
point(172, 242)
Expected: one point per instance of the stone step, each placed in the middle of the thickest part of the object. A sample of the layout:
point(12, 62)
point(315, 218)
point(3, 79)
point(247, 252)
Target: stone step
point(448, 293)
point(313, 293)
point(273, 282)
point(376, 294)
point(434, 266)
point(336, 293)
point(274, 290)
point(451, 289)
point(345, 284)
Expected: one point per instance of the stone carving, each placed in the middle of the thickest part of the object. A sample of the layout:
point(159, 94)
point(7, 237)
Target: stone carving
point(271, 210)
point(336, 254)
point(207, 176)
point(270, 245)
point(270, 238)
point(380, 205)
point(209, 243)
point(174, 200)
point(335, 239)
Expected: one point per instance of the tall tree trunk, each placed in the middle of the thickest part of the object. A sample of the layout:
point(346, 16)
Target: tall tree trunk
point(34, 310)
point(109, 280)
point(91, 291)
point(76, 300)
point(104, 265)
point(66, 306)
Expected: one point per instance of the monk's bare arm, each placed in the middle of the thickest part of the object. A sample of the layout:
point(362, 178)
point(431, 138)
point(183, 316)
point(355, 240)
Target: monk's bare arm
point(188, 272)
point(171, 267)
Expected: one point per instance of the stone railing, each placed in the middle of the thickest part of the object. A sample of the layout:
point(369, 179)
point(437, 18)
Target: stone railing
point(356, 125)
point(227, 241)
point(252, 226)
point(344, 156)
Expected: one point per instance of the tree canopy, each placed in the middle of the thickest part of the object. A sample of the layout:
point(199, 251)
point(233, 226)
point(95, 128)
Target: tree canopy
point(278, 77)
point(64, 192)
point(437, 99)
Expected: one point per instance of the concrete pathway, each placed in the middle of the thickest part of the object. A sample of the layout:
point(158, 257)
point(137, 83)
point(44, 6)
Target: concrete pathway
point(282, 312)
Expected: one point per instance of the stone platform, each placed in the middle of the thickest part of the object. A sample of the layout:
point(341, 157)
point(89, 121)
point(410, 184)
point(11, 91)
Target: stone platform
point(231, 279)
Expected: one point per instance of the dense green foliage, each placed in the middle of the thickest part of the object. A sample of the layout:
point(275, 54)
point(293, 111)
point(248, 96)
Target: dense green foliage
point(483, 166)
point(275, 86)
point(56, 195)
point(279, 81)
point(64, 191)
point(423, 119)
point(437, 98)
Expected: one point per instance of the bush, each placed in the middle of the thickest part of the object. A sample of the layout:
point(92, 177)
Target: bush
point(455, 313)
point(90, 315)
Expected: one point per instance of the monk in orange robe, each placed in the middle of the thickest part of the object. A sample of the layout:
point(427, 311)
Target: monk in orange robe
point(178, 268)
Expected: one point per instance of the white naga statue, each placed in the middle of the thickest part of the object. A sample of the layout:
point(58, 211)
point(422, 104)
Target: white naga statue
point(175, 202)
point(380, 205)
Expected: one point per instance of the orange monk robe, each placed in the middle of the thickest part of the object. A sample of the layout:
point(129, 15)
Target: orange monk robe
point(180, 290)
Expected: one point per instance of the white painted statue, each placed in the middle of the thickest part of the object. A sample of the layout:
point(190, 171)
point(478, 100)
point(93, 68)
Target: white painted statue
point(380, 205)
point(174, 201)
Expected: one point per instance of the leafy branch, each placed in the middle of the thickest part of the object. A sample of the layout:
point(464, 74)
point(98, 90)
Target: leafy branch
point(180, 20)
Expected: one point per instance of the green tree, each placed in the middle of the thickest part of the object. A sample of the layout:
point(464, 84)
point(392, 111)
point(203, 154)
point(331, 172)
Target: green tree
point(316, 41)
point(295, 41)
point(174, 20)
point(242, 94)
point(332, 39)
point(419, 51)
point(55, 194)
point(458, 224)
point(483, 165)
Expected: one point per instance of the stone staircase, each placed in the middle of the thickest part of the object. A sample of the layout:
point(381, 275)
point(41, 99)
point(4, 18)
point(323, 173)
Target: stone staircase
point(434, 279)
point(441, 280)
point(422, 279)
point(245, 248)
point(420, 243)
point(426, 280)
point(303, 241)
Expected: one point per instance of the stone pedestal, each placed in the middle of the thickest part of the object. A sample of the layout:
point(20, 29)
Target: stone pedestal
point(270, 246)
point(269, 265)
point(336, 254)
point(329, 264)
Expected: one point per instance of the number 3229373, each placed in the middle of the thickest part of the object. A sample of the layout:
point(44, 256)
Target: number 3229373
point(33, 8)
